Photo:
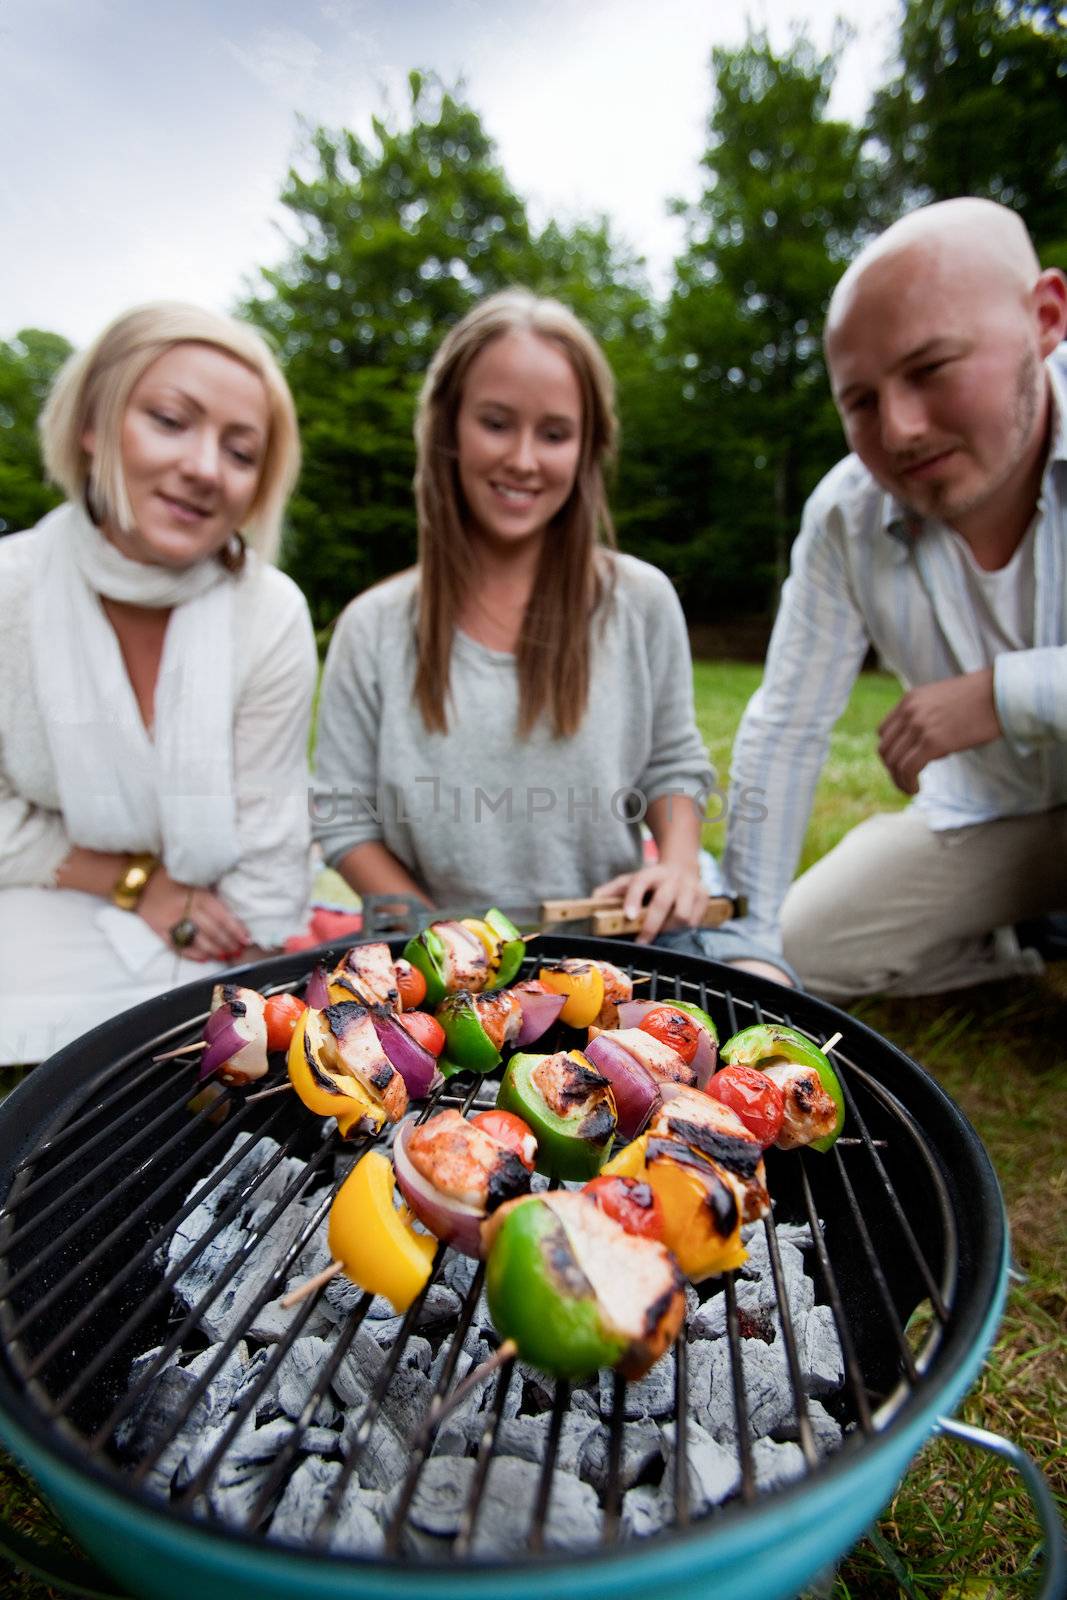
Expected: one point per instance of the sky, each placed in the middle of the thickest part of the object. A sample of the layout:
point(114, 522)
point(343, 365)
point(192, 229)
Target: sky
point(145, 144)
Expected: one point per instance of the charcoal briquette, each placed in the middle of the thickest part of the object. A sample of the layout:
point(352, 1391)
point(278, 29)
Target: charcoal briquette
point(642, 1455)
point(821, 1361)
point(645, 1511)
point(776, 1464)
point(443, 1487)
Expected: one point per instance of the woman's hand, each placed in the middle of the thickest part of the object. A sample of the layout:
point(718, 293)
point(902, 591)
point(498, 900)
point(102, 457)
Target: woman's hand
point(662, 895)
point(220, 935)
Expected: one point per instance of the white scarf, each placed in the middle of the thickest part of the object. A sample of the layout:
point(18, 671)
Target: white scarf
point(121, 789)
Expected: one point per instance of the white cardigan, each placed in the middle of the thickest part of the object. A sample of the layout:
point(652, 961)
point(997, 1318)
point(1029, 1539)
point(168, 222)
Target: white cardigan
point(274, 670)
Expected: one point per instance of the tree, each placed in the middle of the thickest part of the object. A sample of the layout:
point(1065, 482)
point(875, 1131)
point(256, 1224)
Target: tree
point(400, 234)
point(28, 364)
point(979, 106)
point(781, 212)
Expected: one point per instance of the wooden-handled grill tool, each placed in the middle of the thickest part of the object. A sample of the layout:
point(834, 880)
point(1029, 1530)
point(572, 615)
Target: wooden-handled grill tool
point(609, 920)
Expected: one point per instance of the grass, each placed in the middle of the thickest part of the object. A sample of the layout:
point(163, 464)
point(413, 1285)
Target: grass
point(959, 1526)
point(853, 783)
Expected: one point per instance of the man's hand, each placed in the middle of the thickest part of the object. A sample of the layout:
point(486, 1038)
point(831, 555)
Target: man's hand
point(933, 721)
point(676, 898)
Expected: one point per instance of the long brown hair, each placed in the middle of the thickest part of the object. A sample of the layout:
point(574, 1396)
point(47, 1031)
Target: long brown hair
point(554, 648)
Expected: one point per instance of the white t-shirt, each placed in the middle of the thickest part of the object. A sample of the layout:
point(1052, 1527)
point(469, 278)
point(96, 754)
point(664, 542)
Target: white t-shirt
point(1001, 601)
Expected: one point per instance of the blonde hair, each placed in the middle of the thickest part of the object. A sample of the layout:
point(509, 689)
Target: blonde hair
point(93, 389)
point(554, 644)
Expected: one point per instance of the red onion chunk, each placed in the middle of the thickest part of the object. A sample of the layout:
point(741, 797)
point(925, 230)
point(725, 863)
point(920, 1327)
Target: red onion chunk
point(447, 1219)
point(706, 1059)
point(414, 1063)
point(539, 1012)
point(637, 1094)
point(317, 988)
point(220, 1018)
point(236, 1036)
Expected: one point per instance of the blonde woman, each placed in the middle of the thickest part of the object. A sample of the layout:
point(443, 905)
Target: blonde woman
point(156, 674)
point(496, 723)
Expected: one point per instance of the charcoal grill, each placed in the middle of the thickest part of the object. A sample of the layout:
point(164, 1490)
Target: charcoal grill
point(98, 1154)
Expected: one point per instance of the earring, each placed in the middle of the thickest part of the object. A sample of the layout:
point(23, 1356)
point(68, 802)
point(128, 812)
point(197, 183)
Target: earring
point(232, 555)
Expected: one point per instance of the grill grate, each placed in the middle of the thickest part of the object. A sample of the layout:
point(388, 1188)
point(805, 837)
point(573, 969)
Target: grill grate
point(82, 1293)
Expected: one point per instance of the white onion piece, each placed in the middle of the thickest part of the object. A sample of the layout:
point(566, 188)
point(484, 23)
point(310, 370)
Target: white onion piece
point(447, 1219)
point(631, 1011)
point(414, 1063)
point(539, 1012)
point(637, 1094)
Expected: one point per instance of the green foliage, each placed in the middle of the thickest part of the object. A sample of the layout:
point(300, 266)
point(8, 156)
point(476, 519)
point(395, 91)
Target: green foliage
point(782, 209)
point(980, 107)
point(399, 236)
point(28, 364)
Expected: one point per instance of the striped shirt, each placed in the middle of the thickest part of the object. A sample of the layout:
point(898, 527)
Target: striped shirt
point(861, 574)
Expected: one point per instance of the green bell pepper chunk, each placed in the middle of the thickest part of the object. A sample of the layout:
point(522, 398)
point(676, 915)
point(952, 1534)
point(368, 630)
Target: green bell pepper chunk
point(765, 1042)
point(466, 1042)
point(574, 1144)
point(426, 952)
point(697, 1015)
point(540, 1298)
point(512, 951)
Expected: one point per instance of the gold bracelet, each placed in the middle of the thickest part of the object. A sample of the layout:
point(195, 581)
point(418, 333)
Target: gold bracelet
point(134, 881)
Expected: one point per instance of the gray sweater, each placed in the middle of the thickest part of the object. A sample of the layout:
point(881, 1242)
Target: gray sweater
point(477, 815)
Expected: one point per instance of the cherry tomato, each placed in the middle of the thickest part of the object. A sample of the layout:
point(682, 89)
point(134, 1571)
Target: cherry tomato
point(424, 1029)
point(281, 1013)
point(674, 1028)
point(757, 1100)
point(510, 1131)
point(411, 983)
point(631, 1202)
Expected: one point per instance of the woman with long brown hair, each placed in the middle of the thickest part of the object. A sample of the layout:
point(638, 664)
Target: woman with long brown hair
point(496, 723)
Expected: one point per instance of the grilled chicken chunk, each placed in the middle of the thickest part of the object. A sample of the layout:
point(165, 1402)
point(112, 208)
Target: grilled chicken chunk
point(618, 987)
point(810, 1113)
point(665, 1064)
point(567, 1086)
point(466, 962)
point(501, 1016)
point(465, 1162)
point(367, 973)
point(351, 1046)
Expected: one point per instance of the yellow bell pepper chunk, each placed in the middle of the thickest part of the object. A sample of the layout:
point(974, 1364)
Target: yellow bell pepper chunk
point(376, 1244)
point(688, 1229)
point(349, 1104)
point(630, 1161)
point(584, 988)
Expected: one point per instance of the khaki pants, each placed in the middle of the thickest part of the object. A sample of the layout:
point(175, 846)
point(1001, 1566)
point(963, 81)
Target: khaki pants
point(897, 909)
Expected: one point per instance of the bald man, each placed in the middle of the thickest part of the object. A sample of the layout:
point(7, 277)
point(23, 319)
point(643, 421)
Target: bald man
point(942, 541)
